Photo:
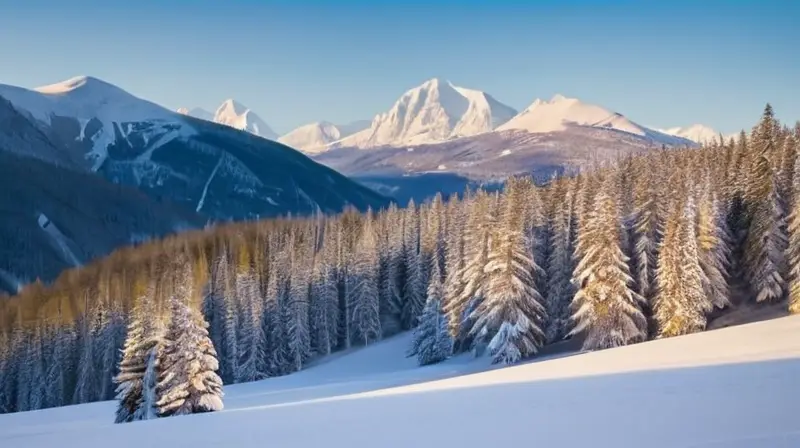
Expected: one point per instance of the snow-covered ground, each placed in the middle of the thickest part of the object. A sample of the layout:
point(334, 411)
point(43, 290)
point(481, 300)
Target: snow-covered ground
point(735, 387)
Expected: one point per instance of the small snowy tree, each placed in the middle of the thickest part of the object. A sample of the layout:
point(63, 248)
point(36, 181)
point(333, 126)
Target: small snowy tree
point(188, 382)
point(432, 342)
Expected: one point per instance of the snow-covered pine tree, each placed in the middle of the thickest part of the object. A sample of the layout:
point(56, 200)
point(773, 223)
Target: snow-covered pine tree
point(511, 316)
point(297, 330)
point(713, 241)
point(470, 288)
point(61, 343)
point(648, 209)
point(605, 307)
point(364, 285)
point(275, 354)
point(454, 250)
point(394, 278)
point(793, 251)
point(431, 341)
point(188, 382)
point(138, 371)
point(681, 304)
point(766, 239)
point(249, 319)
point(560, 266)
point(414, 288)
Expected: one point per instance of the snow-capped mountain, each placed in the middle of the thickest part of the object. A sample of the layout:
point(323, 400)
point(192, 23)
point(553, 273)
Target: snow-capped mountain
point(99, 108)
point(197, 112)
point(315, 137)
point(435, 111)
point(560, 113)
point(697, 133)
point(236, 115)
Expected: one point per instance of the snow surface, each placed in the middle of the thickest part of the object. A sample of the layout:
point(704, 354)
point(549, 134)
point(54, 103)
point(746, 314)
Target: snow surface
point(697, 133)
point(85, 98)
point(736, 387)
point(236, 115)
point(432, 112)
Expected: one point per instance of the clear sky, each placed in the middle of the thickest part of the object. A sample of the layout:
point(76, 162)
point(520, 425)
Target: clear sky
point(661, 63)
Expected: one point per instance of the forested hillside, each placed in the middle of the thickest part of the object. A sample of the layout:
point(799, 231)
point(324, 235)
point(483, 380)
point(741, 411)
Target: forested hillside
point(651, 246)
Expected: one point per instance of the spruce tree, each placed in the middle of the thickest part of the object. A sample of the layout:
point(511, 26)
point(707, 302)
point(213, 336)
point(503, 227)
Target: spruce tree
point(136, 380)
point(605, 307)
point(559, 268)
point(713, 241)
point(766, 237)
point(364, 278)
point(431, 341)
point(793, 251)
point(511, 316)
point(681, 303)
point(188, 382)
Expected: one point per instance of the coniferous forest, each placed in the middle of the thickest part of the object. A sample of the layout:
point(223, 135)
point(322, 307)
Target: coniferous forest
point(649, 246)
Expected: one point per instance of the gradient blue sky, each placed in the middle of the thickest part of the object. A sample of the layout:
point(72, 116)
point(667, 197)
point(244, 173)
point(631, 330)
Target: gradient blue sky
point(664, 63)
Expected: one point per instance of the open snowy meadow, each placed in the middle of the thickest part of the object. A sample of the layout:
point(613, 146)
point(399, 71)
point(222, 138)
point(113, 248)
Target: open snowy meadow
point(734, 387)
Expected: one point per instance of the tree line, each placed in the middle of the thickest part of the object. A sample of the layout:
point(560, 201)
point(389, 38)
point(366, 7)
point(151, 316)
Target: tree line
point(649, 246)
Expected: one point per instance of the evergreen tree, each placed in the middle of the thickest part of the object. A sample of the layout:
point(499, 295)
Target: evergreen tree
point(605, 307)
point(766, 238)
point(136, 380)
point(559, 269)
point(681, 304)
point(432, 342)
point(364, 287)
point(793, 251)
point(414, 288)
point(713, 241)
point(511, 315)
point(188, 382)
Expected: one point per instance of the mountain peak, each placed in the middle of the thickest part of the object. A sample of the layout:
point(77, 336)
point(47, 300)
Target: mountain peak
point(236, 115)
point(698, 133)
point(233, 106)
point(78, 83)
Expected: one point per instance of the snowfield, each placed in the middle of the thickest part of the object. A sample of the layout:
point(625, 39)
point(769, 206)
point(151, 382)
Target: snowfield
point(735, 387)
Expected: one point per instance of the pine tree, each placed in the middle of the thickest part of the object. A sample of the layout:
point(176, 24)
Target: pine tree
point(713, 241)
point(297, 330)
point(470, 288)
point(364, 286)
point(793, 251)
point(605, 307)
point(559, 269)
point(136, 380)
point(188, 382)
point(414, 289)
point(766, 238)
point(511, 315)
point(681, 304)
point(432, 342)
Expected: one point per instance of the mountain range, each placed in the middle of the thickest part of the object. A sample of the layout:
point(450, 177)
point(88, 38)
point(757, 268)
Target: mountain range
point(438, 111)
point(91, 147)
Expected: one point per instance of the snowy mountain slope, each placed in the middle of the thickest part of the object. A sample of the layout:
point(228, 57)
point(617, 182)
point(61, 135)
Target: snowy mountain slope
point(560, 112)
point(736, 387)
point(234, 114)
point(214, 169)
point(197, 112)
point(102, 111)
point(697, 133)
point(432, 112)
point(315, 137)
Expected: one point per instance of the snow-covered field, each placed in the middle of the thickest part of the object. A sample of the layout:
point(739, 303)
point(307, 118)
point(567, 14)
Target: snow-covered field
point(735, 387)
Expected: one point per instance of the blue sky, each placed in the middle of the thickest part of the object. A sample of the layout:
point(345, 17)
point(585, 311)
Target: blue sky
point(665, 63)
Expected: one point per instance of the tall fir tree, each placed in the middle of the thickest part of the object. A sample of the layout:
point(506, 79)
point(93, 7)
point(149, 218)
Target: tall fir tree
point(793, 251)
point(512, 314)
point(365, 285)
point(605, 307)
